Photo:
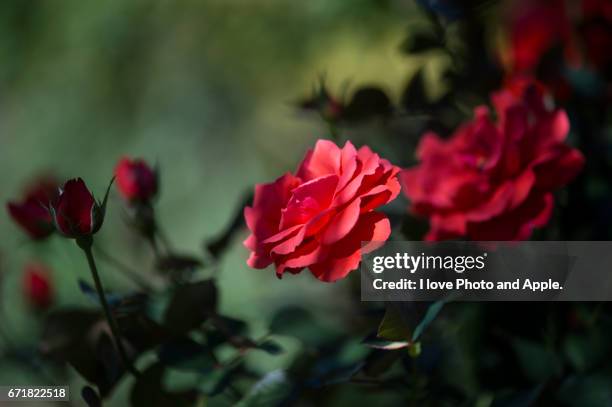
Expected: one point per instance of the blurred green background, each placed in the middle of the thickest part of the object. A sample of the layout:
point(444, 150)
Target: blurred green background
point(203, 88)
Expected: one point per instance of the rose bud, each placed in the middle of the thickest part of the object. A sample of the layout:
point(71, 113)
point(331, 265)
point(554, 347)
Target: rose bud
point(37, 287)
point(31, 213)
point(329, 107)
point(319, 216)
point(75, 212)
point(136, 181)
point(494, 178)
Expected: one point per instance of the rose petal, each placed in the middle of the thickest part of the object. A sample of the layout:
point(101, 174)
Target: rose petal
point(345, 255)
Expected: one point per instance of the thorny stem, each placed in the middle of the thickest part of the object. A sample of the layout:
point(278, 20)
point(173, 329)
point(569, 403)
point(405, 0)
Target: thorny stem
point(85, 245)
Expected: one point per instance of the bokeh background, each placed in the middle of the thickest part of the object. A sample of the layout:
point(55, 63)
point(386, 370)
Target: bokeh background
point(206, 89)
point(209, 90)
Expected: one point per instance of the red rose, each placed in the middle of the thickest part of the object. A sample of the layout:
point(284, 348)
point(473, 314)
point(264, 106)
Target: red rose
point(536, 27)
point(494, 181)
point(75, 211)
point(37, 287)
point(31, 213)
point(136, 181)
point(318, 217)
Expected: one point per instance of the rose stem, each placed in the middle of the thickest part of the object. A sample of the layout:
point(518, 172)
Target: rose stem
point(114, 327)
point(333, 131)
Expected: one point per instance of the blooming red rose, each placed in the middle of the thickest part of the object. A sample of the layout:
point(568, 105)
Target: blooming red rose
point(493, 180)
point(318, 217)
point(75, 211)
point(31, 213)
point(581, 35)
point(37, 287)
point(136, 181)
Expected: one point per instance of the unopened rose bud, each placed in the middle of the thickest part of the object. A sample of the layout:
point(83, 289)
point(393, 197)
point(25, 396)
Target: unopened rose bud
point(76, 213)
point(31, 213)
point(136, 181)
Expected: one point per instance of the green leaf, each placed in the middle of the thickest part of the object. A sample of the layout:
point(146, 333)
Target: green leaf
point(585, 351)
point(393, 326)
point(186, 354)
point(148, 391)
point(270, 347)
point(190, 306)
point(524, 398)
point(366, 103)
point(378, 343)
point(81, 338)
point(421, 42)
point(593, 390)
point(274, 388)
point(217, 380)
point(90, 396)
point(414, 97)
point(431, 314)
point(538, 362)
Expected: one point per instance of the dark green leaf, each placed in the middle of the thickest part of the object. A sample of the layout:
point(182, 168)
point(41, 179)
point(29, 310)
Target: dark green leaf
point(525, 398)
point(176, 262)
point(421, 41)
point(414, 97)
point(380, 361)
point(90, 396)
point(394, 326)
point(190, 306)
point(378, 343)
point(366, 103)
point(271, 390)
point(431, 314)
point(539, 363)
point(270, 347)
point(82, 339)
point(148, 391)
point(186, 354)
point(218, 380)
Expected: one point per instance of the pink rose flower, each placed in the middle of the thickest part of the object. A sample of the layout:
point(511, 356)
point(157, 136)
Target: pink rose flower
point(493, 180)
point(319, 216)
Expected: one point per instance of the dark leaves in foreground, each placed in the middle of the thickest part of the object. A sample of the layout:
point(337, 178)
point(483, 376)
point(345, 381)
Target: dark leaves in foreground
point(90, 396)
point(190, 306)
point(367, 102)
point(149, 391)
point(82, 339)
